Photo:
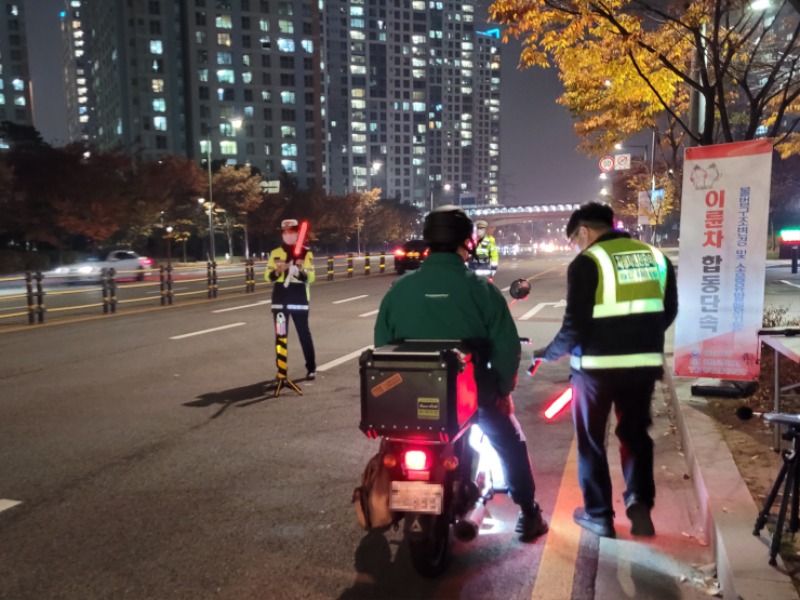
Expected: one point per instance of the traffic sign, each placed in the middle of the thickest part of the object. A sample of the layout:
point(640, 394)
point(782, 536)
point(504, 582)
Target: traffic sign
point(622, 162)
point(607, 164)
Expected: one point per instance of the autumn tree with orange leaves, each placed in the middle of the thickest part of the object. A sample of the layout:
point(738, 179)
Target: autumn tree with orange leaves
point(626, 63)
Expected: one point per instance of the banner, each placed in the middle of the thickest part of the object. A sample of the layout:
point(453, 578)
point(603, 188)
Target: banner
point(722, 259)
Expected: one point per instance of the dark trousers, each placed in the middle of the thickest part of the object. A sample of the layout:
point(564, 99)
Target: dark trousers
point(630, 393)
point(506, 437)
point(300, 318)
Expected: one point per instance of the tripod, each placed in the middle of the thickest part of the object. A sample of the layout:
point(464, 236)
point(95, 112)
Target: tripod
point(790, 472)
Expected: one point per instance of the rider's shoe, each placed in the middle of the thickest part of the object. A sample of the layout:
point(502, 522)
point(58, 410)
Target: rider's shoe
point(531, 524)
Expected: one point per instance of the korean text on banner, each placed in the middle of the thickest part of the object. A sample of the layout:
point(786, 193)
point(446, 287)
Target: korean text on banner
point(722, 259)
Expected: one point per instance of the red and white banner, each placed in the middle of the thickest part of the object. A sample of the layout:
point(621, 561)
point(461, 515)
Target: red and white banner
point(723, 241)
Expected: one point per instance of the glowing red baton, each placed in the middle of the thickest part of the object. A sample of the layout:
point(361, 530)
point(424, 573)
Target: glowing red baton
point(298, 248)
point(559, 403)
point(301, 238)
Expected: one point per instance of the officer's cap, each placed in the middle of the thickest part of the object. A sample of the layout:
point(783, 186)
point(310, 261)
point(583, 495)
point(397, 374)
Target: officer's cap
point(591, 214)
point(481, 224)
point(289, 224)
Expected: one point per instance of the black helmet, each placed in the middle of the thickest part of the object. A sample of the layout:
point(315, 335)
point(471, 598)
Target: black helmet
point(446, 228)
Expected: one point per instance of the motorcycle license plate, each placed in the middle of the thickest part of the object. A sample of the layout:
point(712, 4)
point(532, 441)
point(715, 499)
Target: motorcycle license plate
point(416, 496)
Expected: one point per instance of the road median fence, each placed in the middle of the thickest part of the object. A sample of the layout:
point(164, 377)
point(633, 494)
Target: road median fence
point(22, 297)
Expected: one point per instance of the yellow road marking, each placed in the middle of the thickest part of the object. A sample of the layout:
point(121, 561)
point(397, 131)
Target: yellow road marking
point(557, 567)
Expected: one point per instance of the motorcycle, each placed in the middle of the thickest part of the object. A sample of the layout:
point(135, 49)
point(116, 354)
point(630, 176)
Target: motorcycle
point(420, 399)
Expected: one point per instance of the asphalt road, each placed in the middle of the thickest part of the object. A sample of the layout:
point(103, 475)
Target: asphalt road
point(149, 462)
point(143, 457)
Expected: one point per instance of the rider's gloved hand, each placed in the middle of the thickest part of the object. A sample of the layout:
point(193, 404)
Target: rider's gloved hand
point(294, 271)
point(536, 361)
point(505, 404)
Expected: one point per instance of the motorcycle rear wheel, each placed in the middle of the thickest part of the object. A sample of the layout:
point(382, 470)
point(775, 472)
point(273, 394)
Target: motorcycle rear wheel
point(430, 547)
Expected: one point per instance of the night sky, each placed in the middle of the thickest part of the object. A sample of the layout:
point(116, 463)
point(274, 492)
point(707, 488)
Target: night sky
point(539, 164)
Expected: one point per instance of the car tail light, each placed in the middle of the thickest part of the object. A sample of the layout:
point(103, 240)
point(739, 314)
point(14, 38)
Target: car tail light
point(450, 463)
point(424, 254)
point(416, 460)
point(389, 461)
point(399, 252)
point(145, 262)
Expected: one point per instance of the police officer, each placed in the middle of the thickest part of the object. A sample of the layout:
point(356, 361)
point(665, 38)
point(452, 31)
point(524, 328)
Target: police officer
point(443, 299)
point(484, 253)
point(621, 298)
point(291, 274)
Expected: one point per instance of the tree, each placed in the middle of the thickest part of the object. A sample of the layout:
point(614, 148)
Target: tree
point(238, 191)
point(624, 63)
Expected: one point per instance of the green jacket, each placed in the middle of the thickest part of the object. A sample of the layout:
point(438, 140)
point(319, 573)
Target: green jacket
point(443, 299)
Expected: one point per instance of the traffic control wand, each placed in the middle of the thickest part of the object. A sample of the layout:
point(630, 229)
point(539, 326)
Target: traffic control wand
point(298, 248)
point(557, 405)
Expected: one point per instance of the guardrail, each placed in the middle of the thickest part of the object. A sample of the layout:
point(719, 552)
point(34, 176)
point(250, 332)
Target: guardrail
point(163, 286)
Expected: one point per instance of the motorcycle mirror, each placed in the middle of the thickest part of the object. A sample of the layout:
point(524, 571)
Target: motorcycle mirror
point(520, 288)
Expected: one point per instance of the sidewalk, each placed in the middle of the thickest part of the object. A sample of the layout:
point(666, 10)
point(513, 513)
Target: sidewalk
point(726, 505)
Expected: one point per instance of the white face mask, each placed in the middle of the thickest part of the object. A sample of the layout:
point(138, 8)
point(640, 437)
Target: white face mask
point(290, 238)
point(481, 233)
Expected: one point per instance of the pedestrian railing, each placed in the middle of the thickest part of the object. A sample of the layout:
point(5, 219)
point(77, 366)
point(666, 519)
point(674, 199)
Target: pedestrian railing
point(37, 297)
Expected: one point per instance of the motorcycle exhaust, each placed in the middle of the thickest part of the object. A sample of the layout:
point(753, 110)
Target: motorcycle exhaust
point(466, 528)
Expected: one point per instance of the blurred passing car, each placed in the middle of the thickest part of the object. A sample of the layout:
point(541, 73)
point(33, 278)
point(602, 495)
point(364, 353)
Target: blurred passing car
point(410, 255)
point(126, 264)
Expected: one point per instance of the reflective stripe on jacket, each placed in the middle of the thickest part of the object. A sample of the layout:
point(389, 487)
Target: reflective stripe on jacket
point(297, 292)
point(486, 251)
point(632, 278)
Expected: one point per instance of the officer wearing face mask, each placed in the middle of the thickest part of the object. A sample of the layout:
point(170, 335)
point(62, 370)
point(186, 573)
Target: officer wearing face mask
point(484, 257)
point(291, 276)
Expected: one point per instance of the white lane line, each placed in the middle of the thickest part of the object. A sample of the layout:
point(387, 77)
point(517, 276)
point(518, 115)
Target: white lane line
point(351, 299)
point(6, 504)
point(186, 335)
point(262, 303)
point(540, 306)
point(370, 313)
point(505, 289)
point(789, 283)
point(343, 359)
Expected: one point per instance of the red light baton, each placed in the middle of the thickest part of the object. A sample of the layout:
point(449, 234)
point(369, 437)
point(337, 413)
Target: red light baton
point(301, 238)
point(559, 403)
point(298, 248)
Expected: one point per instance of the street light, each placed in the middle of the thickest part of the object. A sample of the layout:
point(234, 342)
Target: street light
point(236, 123)
point(446, 187)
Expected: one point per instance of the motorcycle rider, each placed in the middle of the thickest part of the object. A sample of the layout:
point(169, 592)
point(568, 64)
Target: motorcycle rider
point(443, 299)
point(484, 252)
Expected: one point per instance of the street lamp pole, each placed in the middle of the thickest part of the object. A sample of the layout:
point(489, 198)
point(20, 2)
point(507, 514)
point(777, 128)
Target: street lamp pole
point(211, 248)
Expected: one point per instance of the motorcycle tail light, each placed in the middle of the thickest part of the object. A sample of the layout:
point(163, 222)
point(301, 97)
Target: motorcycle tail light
point(450, 463)
point(389, 461)
point(416, 460)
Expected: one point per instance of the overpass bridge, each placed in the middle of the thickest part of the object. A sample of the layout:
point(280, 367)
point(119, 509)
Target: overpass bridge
point(497, 215)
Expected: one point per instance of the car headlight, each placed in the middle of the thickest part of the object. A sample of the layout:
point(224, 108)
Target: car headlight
point(86, 270)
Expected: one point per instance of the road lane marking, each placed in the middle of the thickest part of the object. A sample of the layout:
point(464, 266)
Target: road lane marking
point(370, 313)
point(186, 335)
point(351, 299)
point(556, 573)
point(540, 306)
point(343, 359)
point(6, 504)
point(789, 283)
point(262, 303)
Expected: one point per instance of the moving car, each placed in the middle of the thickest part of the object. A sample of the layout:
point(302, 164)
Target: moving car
point(410, 255)
point(126, 264)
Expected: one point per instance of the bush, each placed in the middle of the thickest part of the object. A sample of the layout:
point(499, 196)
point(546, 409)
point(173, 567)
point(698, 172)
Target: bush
point(13, 261)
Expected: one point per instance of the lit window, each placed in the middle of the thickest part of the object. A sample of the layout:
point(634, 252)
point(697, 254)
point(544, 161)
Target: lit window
point(285, 26)
point(18, 85)
point(358, 70)
point(202, 74)
point(266, 96)
point(224, 39)
point(287, 97)
point(224, 58)
point(157, 86)
point(247, 77)
point(224, 22)
point(2, 98)
point(288, 132)
point(307, 45)
point(263, 25)
point(289, 149)
point(160, 123)
point(159, 105)
point(290, 166)
point(225, 75)
point(156, 47)
point(285, 45)
point(227, 147)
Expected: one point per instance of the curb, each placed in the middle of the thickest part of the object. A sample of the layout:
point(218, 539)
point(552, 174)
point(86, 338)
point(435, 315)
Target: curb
point(727, 508)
